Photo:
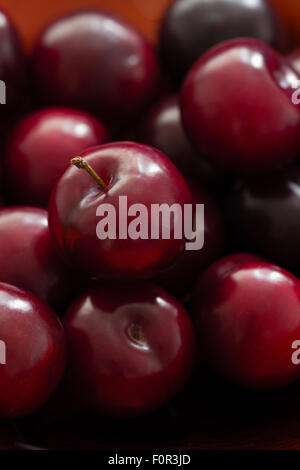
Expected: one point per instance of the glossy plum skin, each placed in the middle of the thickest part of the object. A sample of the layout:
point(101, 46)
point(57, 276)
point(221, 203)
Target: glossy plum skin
point(162, 128)
point(264, 213)
point(147, 348)
point(41, 147)
point(35, 352)
point(180, 277)
point(247, 326)
point(129, 169)
point(96, 61)
point(28, 256)
point(218, 270)
point(12, 62)
point(191, 27)
point(294, 59)
point(237, 107)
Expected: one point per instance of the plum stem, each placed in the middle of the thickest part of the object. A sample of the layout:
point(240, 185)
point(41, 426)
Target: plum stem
point(83, 165)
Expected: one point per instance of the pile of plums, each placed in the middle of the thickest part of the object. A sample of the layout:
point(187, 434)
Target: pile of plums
point(118, 325)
